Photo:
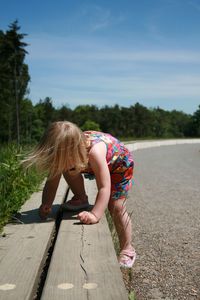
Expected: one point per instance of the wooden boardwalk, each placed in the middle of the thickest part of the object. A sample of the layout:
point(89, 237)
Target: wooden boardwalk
point(83, 264)
point(81, 259)
point(61, 258)
point(24, 247)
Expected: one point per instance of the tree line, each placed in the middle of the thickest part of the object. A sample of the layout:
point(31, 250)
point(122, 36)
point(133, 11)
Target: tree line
point(24, 122)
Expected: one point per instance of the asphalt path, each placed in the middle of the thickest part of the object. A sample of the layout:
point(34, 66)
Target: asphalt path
point(165, 208)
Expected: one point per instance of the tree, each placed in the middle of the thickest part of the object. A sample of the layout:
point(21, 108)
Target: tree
point(64, 113)
point(162, 125)
point(5, 93)
point(179, 123)
point(14, 76)
point(46, 111)
point(90, 125)
point(195, 126)
point(82, 113)
point(27, 118)
point(143, 121)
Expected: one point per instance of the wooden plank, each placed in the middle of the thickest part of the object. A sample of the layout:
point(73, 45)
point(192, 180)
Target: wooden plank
point(24, 248)
point(84, 263)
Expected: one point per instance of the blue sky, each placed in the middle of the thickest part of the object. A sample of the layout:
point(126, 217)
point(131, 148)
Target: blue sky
point(111, 52)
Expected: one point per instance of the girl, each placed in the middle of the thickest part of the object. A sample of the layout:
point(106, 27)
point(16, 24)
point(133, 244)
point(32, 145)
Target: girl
point(65, 149)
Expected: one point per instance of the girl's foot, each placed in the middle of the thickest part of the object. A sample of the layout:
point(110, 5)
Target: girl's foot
point(127, 258)
point(76, 203)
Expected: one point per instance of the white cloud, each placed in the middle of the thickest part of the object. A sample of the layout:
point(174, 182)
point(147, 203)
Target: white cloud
point(194, 4)
point(57, 49)
point(99, 18)
point(120, 88)
point(80, 71)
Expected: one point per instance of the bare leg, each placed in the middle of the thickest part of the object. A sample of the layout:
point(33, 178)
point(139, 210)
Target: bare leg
point(76, 184)
point(122, 223)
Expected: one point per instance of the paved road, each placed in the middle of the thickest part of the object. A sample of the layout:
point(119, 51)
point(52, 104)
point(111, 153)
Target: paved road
point(165, 202)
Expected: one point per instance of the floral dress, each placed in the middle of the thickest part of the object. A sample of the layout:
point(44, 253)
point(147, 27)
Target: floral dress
point(119, 160)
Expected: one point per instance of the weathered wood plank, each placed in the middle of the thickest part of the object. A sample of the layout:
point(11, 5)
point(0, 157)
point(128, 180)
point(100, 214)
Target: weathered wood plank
point(84, 264)
point(24, 247)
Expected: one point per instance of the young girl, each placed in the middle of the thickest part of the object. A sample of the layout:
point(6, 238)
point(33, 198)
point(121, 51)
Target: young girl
point(65, 149)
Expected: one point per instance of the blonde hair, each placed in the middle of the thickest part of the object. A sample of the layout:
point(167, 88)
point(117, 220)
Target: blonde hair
point(62, 148)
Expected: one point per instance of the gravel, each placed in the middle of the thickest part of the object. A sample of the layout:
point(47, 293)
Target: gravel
point(165, 207)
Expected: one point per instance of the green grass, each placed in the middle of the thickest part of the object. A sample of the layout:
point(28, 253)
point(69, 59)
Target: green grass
point(113, 232)
point(16, 183)
point(131, 294)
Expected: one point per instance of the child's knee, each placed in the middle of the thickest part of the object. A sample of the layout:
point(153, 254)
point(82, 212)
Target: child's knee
point(116, 206)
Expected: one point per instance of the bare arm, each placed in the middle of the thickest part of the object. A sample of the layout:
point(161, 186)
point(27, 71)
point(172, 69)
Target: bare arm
point(102, 174)
point(97, 159)
point(49, 190)
point(48, 195)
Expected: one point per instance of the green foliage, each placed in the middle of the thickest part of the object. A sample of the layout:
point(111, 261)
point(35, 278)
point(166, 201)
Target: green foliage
point(90, 125)
point(131, 296)
point(45, 111)
point(113, 232)
point(16, 184)
point(14, 78)
point(115, 239)
point(83, 113)
point(22, 121)
point(195, 124)
point(135, 122)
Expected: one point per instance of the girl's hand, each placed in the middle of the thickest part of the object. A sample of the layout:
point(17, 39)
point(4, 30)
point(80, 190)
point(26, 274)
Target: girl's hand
point(87, 217)
point(44, 210)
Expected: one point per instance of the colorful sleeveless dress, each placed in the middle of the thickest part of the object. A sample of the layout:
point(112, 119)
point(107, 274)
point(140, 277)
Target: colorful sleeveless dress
point(119, 160)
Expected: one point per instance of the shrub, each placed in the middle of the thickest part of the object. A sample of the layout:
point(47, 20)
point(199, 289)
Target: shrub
point(16, 183)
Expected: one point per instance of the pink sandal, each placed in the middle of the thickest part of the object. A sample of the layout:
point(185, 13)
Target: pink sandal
point(76, 204)
point(127, 258)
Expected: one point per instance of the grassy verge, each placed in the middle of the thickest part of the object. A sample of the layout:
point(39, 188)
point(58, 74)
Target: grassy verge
point(126, 273)
point(16, 183)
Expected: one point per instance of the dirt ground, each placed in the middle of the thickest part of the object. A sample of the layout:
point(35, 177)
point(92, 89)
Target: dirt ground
point(165, 207)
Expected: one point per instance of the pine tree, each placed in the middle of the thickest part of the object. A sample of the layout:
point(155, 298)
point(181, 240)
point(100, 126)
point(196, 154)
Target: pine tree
point(14, 77)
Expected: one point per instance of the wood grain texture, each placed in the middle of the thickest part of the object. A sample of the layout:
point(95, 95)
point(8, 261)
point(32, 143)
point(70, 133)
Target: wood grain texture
point(24, 248)
point(84, 263)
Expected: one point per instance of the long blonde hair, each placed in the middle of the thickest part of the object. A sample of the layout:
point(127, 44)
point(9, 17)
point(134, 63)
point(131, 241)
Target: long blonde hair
point(63, 147)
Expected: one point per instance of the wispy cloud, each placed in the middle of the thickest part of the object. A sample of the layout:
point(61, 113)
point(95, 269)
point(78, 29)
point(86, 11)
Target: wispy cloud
point(110, 51)
point(194, 4)
point(63, 49)
point(98, 18)
point(118, 89)
point(79, 71)
point(101, 18)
